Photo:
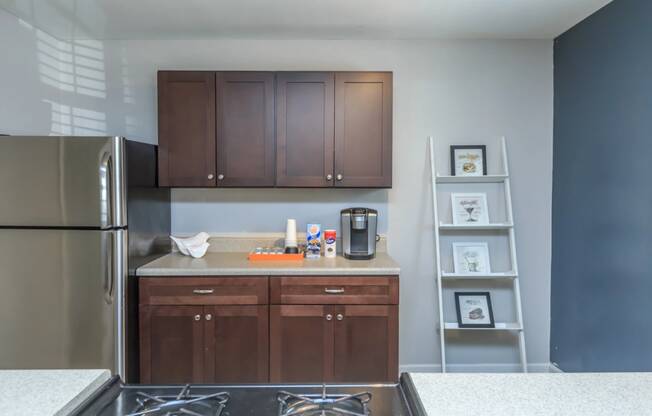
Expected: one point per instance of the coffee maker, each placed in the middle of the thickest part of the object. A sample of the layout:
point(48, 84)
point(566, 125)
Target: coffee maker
point(359, 233)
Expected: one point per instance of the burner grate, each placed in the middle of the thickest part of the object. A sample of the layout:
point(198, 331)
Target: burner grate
point(183, 404)
point(290, 404)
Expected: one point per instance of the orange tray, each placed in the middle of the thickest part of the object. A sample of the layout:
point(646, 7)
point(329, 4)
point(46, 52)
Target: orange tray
point(275, 257)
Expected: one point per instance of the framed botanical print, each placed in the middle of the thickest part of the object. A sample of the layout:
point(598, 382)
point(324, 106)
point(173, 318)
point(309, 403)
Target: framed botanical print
point(474, 310)
point(470, 209)
point(468, 160)
point(471, 258)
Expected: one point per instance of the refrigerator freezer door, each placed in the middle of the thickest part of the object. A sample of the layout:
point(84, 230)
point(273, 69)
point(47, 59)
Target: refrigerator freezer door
point(62, 182)
point(61, 299)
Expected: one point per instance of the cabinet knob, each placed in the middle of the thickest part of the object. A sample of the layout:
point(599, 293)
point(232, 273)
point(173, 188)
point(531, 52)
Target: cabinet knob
point(197, 317)
point(209, 316)
point(339, 177)
point(210, 176)
point(329, 317)
point(329, 177)
point(220, 177)
point(340, 316)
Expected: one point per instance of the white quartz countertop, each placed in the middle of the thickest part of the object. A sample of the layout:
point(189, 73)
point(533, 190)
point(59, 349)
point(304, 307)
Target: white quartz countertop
point(534, 394)
point(236, 264)
point(47, 392)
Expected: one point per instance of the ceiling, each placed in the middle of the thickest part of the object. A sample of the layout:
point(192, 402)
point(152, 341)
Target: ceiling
point(303, 19)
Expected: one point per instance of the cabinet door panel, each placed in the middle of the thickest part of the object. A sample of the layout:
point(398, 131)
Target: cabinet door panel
point(245, 129)
point(301, 346)
point(237, 344)
point(366, 344)
point(186, 128)
point(363, 129)
point(171, 344)
point(304, 129)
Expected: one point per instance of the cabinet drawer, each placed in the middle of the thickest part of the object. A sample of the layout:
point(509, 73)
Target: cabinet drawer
point(203, 290)
point(334, 290)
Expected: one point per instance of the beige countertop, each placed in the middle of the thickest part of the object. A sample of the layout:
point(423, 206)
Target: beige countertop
point(47, 392)
point(236, 264)
point(535, 394)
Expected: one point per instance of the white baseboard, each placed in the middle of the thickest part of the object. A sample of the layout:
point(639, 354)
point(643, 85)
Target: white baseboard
point(480, 368)
point(555, 369)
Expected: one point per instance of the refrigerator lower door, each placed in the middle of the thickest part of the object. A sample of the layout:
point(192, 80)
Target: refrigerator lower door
point(69, 182)
point(62, 299)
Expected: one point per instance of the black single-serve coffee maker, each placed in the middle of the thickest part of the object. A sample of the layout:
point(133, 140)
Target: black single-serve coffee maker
point(359, 233)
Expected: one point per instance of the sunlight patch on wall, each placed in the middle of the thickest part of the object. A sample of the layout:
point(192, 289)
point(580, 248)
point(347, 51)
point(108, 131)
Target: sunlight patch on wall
point(74, 69)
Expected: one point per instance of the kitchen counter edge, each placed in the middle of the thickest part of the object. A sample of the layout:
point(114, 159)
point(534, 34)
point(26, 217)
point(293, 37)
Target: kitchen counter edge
point(236, 264)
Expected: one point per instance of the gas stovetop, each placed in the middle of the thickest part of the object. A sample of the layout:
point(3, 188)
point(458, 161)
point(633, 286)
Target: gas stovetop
point(118, 399)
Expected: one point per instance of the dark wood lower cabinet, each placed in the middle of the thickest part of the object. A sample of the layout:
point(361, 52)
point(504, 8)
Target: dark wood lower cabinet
point(223, 330)
point(328, 343)
point(204, 344)
point(171, 344)
point(237, 344)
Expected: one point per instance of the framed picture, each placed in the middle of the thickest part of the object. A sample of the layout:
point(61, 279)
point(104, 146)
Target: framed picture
point(468, 160)
point(474, 310)
point(470, 208)
point(470, 258)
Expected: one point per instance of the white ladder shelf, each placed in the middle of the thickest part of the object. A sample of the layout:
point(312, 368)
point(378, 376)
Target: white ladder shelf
point(511, 276)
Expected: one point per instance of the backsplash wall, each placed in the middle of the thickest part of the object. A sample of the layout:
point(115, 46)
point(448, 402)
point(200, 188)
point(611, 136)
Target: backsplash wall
point(265, 210)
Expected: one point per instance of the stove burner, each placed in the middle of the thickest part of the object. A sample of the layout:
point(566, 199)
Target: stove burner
point(184, 403)
point(290, 404)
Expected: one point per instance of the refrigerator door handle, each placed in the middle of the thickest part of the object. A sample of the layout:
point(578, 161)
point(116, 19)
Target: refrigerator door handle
point(106, 190)
point(108, 258)
point(112, 187)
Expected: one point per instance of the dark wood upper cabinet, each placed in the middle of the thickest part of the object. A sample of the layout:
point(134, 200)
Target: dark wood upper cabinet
point(301, 344)
point(363, 129)
point(285, 129)
point(186, 128)
point(366, 347)
point(237, 344)
point(245, 129)
point(304, 129)
point(171, 344)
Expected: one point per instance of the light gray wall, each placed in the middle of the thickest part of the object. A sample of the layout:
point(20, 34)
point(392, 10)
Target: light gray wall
point(25, 87)
point(467, 91)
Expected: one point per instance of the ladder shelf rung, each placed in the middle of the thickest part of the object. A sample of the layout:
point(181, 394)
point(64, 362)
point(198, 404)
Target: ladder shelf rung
point(492, 226)
point(499, 326)
point(471, 179)
point(478, 276)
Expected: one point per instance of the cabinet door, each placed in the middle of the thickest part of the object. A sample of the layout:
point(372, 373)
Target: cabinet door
point(237, 344)
point(304, 129)
point(186, 128)
point(171, 344)
point(245, 129)
point(301, 346)
point(363, 129)
point(366, 343)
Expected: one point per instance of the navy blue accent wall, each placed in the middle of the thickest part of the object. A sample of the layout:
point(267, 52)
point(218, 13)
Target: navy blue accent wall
point(601, 306)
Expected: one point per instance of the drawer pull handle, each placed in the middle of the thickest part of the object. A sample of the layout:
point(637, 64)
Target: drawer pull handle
point(339, 316)
point(203, 291)
point(334, 291)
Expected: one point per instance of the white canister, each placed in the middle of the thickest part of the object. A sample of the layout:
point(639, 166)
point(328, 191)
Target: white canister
point(330, 243)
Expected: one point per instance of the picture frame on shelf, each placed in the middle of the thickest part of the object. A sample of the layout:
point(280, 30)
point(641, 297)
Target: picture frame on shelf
point(474, 310)
point(469, 208)
point(469, 160)
point(471, 258)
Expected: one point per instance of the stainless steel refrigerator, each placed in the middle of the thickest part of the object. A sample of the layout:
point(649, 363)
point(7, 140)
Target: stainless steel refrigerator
point(78, 215)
